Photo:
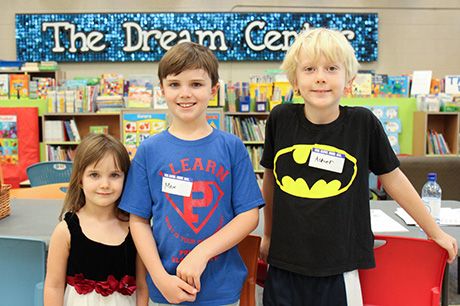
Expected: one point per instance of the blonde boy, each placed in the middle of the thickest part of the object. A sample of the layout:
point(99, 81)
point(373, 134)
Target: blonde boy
point(317, 157)
point(197, 186)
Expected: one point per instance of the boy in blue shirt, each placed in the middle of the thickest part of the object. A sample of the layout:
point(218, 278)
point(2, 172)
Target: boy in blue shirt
point(197, 186)
point(318, 155)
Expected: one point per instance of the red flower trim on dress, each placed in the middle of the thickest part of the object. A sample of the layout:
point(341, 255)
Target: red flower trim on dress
point(126, 286)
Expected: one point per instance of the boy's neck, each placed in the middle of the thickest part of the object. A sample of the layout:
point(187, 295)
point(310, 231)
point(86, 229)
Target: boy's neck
point(322, 116)
point(190, 132)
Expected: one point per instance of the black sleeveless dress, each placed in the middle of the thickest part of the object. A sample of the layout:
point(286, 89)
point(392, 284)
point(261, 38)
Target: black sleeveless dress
point(99, 273)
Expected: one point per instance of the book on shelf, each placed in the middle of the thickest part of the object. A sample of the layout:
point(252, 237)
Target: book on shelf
point(60, 152)
point(362, 85)
point(109, 104)
point(140, 90)
point(4, 87)
point(436, 144)
point(112, 84)
point(19, 86)
point(400, 86)
point(74, 129)
point(99, 129)
point(69, 131)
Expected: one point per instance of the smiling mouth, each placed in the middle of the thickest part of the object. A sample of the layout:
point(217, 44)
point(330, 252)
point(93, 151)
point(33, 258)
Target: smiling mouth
point(186, 105)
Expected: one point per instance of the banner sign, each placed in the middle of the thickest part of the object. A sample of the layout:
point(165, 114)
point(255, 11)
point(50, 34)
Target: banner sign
point(142, 37)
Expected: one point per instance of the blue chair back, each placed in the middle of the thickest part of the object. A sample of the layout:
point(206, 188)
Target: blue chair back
point(51, 172)
point(22, 266)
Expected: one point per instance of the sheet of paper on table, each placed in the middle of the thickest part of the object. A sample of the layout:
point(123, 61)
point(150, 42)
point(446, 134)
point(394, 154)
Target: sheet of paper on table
point(381, 223)
point(449, 216)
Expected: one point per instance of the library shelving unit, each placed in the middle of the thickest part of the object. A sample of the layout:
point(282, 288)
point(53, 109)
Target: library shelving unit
point(83, 121)
point(445, 123)
point(58, 75)
point(250, 127)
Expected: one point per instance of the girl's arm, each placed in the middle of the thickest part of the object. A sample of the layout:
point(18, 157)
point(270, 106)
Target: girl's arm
point(173, 288)
point(193, 265)
point(402, 191)
point(268, 189)
point(58, 254)
point(142, 291)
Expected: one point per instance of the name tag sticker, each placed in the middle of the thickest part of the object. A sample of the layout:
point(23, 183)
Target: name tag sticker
point(327, 160)
point(177, 185)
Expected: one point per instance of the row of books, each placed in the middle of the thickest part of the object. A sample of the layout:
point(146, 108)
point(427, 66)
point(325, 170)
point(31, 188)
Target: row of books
point(247, 128)
point(255, 154)
point(29, 66)
point(61, 153)
point(18, 86)
point(61, 131)
point(436, 144)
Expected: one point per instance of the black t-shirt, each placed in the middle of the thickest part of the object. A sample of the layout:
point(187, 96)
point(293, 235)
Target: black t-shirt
point(321, 217)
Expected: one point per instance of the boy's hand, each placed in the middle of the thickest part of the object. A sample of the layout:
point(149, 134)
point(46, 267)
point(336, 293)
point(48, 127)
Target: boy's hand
point(176, 291)
point(449, 243)
point(264, 246)
point(191, 268)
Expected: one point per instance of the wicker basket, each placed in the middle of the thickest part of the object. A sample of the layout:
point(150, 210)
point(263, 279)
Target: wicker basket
point(5, 200)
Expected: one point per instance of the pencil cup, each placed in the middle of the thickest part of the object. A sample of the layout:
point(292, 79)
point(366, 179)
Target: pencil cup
point(261, 106)
point(245, 104)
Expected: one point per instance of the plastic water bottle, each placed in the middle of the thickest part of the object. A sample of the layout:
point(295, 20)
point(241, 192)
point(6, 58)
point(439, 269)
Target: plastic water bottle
point(431, 196)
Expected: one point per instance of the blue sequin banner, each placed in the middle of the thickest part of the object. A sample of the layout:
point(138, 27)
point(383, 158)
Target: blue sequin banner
point(138, 37)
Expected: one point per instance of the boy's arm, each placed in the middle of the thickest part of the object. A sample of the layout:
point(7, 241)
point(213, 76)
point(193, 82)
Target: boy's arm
point(193, 265)
point(268, 186)
point(402, 191)
point(142, 291)
point(173, 289)
point(56, 271)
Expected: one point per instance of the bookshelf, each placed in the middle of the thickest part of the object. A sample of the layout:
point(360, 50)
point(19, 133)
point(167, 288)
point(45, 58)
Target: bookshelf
point(58, 75)
point(83, 121)
point(250, 127)
point(445, 123)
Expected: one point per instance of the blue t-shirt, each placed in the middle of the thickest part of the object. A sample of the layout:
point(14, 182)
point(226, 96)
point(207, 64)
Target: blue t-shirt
point(191, 189)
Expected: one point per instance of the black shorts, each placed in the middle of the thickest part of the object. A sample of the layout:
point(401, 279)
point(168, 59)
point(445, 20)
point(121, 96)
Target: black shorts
point(284, 288)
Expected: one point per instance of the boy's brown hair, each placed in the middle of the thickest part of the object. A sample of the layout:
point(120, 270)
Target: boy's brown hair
point(187, 56)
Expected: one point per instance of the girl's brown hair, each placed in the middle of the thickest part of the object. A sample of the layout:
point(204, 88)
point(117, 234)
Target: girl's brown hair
point(92, 149)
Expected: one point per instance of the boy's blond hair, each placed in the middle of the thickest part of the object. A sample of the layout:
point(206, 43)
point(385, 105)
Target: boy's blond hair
point(321, 42)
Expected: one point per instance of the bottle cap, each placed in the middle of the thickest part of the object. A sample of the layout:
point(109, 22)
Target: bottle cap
point(432, 176)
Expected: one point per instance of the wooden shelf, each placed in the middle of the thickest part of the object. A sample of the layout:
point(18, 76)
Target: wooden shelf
point(445, 123)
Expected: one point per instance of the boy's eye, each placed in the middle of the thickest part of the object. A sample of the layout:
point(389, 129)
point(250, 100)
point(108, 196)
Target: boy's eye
point(332, 68)
point(196, 84)
point(309, 69)
point(173, 84)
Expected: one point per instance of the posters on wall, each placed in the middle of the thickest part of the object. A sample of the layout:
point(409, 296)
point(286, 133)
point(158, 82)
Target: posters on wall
point(9, 139)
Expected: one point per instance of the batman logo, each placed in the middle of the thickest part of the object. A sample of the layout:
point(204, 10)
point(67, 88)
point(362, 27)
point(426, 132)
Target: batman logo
point(300, 180)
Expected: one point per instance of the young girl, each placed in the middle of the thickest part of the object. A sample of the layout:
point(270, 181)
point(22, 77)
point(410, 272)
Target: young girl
point(92, 259)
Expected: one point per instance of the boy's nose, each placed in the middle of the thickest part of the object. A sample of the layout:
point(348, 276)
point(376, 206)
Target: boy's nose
point(320, 78)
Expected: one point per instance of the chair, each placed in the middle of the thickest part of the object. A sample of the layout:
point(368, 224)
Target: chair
point(408, 272)
point(249, 252)
point(22, 266)
point(50, 172)
point(51, 191)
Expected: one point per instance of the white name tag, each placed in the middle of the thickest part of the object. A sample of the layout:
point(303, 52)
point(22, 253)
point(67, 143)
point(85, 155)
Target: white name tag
point(327, 160)
point(177, 185)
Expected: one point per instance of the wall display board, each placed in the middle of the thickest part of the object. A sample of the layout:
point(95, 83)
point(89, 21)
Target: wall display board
point(133, 37)
point(19, 146)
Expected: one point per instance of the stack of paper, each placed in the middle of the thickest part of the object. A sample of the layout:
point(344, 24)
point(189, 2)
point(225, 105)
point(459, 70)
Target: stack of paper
point(449, 216)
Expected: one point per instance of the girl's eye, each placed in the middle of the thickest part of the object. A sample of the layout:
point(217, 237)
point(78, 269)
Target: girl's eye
point(94, 175)
point(115, 175)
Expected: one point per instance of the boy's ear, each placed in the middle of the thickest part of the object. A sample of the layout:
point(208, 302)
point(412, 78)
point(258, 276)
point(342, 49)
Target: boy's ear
point(214, 90)
point(162, 90)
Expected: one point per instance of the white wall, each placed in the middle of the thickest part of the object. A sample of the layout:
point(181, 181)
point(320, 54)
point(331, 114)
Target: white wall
point(413, 35)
